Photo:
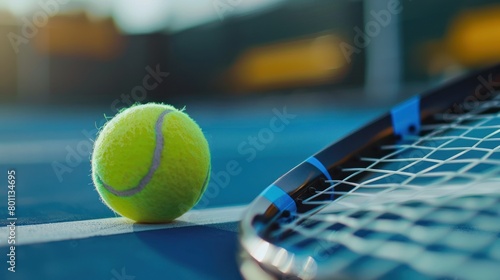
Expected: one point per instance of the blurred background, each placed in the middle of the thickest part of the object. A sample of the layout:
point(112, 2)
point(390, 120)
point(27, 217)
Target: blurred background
point(92, 52)
point(327, 66)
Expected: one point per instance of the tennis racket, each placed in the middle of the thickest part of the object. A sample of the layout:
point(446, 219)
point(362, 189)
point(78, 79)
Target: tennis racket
point(413, 195)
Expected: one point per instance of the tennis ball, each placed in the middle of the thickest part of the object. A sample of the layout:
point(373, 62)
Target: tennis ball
point(151, 163)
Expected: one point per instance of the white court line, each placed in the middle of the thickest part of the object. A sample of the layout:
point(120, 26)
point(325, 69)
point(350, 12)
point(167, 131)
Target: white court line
point(41, 151)
point(41, 233)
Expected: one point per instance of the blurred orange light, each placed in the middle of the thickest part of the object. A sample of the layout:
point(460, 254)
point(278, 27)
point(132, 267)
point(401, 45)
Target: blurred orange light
point(288, 64)
point(76, 35)
point(474, 36)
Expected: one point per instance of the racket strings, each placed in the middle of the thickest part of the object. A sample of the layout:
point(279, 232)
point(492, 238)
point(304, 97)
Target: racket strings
point(400, 215)
point(402, 234)
point(425, 147)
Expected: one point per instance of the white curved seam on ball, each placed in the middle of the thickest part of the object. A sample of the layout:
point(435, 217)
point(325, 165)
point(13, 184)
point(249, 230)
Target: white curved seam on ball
point(154, 165)
point(207, 176)
point(205, 182)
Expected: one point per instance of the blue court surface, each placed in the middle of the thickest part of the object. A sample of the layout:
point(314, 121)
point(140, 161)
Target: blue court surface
point(63, 230)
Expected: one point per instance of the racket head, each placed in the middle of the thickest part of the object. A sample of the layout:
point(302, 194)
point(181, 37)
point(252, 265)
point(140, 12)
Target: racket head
point(268, 225)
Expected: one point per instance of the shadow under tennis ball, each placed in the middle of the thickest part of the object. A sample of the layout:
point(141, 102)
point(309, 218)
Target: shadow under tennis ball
point(208, 251)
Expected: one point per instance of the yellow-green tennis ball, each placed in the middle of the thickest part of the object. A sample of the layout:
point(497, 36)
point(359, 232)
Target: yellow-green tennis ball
point(151, 163)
